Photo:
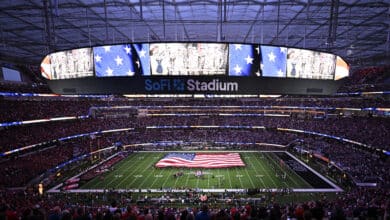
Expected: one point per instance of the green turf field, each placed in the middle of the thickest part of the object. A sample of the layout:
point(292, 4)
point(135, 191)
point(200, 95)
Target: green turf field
point(137, 171)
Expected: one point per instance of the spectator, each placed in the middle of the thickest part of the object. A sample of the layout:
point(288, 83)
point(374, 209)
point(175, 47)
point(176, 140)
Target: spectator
point(203, 214)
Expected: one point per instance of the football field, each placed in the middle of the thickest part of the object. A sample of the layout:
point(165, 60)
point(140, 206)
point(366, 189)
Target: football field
point(263, 170)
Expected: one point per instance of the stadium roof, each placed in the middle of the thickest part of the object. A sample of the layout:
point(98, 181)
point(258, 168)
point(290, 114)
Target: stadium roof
point(357, 30)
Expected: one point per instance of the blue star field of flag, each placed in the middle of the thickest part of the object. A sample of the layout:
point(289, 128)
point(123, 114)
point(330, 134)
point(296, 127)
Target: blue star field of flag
point(185, 156)
point(273, 61)
point(121, 60)
point(243, 60)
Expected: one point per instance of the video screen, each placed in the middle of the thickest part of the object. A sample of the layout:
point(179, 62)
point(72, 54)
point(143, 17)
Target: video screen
point(188, 59)
point(307, 64)
point(342, 69)
point(193, 59)
point(243, 60)
point(273, 61)
point(121, 60)
point(69, 64)
point(11, 74)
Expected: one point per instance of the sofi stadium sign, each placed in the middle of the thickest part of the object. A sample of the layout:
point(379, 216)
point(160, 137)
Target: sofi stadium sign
point(191, 85)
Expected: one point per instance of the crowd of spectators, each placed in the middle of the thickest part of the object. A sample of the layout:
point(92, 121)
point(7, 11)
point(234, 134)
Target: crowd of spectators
point(19, 170)
point(368, 79)
point(20, 136)
point(349, 158)
point(370, 131)
point(359, 203)
point(30, 108)
point(24, 87)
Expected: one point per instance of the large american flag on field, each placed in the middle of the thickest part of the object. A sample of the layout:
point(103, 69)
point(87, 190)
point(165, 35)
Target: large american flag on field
point(201, 160)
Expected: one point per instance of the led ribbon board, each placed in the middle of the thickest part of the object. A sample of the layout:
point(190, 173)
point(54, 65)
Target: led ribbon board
point(191, 68)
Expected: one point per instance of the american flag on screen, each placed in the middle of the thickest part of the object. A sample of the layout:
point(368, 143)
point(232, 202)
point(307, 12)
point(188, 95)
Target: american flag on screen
point(201, 160)
point(121, 60)
point(243, 60)
point(273, 61)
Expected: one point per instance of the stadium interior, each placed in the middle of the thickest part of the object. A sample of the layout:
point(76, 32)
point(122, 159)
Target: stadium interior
point(174, 128)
